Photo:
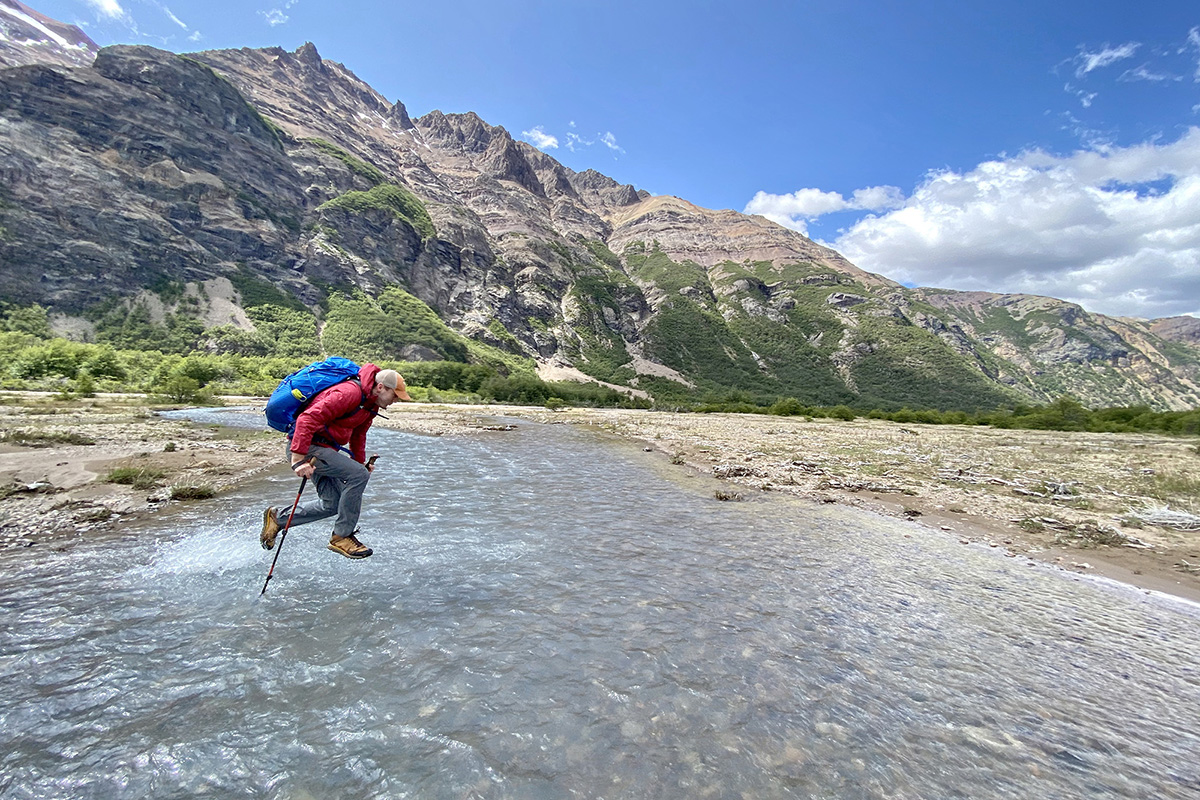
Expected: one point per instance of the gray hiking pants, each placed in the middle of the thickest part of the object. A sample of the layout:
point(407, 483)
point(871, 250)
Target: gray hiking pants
point(340, 481)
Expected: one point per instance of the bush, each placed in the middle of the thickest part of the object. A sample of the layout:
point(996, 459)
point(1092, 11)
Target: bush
point(84, 385)
point(843, 413)
point(789, 407)
point(192, 491)
point(181, 389)
point(32, 320)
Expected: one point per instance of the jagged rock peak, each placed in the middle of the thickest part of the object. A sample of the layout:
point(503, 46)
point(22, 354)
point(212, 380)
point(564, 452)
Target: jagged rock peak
point(275, 79)
point(307, 54)
point(465, 131)
point(399, 114)
point(591, 179)
point(605, 192)
point(504, 160)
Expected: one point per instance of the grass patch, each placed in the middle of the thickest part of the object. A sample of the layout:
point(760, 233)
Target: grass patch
point(137, 477)
point(1089, 534)
point(192, 491)
point(1175, 487)
point(44, 438)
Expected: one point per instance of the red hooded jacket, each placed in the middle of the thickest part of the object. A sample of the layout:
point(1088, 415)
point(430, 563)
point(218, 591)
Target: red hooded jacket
point(340, 414)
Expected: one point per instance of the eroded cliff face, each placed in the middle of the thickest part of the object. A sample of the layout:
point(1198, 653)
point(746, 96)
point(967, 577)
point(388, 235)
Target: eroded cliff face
point(145, 168)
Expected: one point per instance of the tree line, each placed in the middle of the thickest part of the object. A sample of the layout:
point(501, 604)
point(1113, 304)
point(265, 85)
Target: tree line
point(31, 360)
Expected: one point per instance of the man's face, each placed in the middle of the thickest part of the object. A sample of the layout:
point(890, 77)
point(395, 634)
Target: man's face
point(384, 396)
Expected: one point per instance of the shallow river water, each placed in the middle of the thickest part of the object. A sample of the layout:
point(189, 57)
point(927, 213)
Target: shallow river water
point(547, 616)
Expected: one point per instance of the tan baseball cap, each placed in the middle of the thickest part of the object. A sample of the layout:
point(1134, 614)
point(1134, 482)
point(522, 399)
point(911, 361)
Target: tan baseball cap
point(394, 381)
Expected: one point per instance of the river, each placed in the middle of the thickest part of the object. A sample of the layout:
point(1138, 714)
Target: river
point(547, 616)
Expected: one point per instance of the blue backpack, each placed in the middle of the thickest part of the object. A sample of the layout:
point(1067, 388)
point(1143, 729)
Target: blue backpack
point(296, 390)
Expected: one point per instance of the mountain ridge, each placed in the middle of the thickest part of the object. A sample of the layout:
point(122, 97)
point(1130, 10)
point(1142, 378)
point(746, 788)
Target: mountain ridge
point(319, 182)
point(29, 37)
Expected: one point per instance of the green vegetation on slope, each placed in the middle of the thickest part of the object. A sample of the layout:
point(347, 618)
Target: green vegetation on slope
point(357, 166)
point(361, 328)
point(903, 365)
point(388, 197)
point(602, 351)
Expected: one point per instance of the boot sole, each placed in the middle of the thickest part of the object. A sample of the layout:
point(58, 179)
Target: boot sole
point(262, 538)
point(350, 555)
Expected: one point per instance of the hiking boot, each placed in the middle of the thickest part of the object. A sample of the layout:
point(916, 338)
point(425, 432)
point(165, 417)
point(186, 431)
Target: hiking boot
point(270, 528)
point(349, 546)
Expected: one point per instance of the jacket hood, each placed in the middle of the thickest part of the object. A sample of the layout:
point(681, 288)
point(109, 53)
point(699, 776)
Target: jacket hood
point(366, 377)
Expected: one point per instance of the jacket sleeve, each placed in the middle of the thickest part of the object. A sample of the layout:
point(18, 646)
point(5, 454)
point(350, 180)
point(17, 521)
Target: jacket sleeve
point(329, 405)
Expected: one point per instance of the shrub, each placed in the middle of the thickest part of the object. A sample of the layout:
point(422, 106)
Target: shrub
point(843, 413)
point(181, 389)
point(192, 491)
point(84, 385)
point(789, 407)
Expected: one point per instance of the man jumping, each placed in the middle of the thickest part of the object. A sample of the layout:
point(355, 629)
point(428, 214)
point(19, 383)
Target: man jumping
point(332, 429)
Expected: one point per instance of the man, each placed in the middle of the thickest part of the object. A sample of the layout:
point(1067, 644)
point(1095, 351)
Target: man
point(332, 429)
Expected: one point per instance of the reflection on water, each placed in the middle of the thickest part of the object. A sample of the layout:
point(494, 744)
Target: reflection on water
point(545, 617)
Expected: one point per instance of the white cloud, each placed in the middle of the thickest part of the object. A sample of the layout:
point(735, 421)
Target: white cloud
point(1114, 229)
point(610, 141)
point(1108, 55)
point(1193, 41)
point(174, 18)
point(195, 37)
point(1143, 73)
point(274, 17)
point(575, 140)
point(797, 209)
point(108, 8)
point(540, 139)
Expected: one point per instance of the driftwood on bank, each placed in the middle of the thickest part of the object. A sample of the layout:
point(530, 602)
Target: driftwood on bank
point(1166, 518)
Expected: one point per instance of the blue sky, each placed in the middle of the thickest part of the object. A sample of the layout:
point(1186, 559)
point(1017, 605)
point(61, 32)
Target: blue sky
point(1042, 147)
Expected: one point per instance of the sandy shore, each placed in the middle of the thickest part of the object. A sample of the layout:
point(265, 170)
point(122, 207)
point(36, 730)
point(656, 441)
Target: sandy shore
point(1080, 501)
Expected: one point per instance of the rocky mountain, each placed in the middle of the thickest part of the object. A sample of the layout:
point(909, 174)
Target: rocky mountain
point(28, 37)
point(206, 192)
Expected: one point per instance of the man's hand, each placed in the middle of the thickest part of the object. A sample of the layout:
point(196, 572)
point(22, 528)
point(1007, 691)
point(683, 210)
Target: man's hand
point(371, 462)
point(304, 467)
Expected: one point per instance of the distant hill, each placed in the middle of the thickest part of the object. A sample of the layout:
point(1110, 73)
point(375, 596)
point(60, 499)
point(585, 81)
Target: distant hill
point(226, 193)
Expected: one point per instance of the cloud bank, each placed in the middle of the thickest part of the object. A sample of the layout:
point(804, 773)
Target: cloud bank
point(540, 139)
point(1116, 230)
point(797, 209)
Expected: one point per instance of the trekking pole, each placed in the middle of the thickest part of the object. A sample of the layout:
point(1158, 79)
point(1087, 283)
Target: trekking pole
point(283, 533)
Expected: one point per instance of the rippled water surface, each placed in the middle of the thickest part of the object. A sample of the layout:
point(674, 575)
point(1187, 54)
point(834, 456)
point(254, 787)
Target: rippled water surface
point(545, 616)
